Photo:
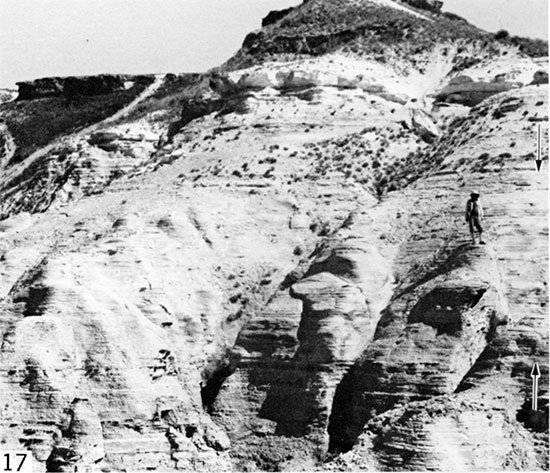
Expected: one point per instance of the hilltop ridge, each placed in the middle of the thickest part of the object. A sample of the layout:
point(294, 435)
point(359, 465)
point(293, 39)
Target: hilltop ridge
point(370, 29)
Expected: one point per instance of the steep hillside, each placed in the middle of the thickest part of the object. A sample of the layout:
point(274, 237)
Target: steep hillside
point(266, 267)
point(372, 29)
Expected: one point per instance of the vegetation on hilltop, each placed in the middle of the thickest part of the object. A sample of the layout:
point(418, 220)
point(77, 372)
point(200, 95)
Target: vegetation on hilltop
point(321, 26)
point(531, 47)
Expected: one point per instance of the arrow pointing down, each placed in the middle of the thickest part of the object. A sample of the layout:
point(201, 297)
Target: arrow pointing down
point(538, 161)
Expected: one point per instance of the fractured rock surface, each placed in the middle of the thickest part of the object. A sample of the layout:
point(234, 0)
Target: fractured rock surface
point(429, 337)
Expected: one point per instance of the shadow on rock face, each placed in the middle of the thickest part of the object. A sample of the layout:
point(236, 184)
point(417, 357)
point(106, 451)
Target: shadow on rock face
point(443, 306)
point(431, 334)
point(62, 459)
point(534, 420)
point(337, 321)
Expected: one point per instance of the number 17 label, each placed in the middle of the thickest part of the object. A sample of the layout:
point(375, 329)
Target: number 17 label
point(15, 461)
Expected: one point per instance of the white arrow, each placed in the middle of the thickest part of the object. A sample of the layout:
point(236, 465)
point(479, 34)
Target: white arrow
point(538, 161)
point(535, 373)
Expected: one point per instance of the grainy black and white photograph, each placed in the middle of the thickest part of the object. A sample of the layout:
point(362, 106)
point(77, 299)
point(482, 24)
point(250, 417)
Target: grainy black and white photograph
point(274, 236)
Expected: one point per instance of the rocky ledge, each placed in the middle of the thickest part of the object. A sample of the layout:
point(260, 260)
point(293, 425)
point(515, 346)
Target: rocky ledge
point(73, 86)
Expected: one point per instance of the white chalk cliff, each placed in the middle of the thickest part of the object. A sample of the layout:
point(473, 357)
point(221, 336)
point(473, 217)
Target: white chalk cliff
point(266, 267)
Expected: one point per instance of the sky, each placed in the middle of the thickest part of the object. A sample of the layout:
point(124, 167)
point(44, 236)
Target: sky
point(519, 17)
point(40, 38)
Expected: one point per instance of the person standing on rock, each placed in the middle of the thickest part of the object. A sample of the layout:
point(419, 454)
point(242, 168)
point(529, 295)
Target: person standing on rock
point(474, 215)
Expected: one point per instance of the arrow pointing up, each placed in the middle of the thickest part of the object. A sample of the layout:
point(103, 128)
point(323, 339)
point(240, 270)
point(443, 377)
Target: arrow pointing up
point(538, 161)
point(535, 373)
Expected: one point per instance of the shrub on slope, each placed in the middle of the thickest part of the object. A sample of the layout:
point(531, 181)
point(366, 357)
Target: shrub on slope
point(531, 46)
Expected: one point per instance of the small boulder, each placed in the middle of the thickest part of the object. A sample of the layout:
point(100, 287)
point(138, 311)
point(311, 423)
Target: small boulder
point(298, 79)
point(540, 77)
point(216, 438)
point(223, 85)
point(397, 98)
point(103, 137)
point(371, 88)
point(255, 80)
point(460, 80)
point(300, 221)
point(430, 5)
point(349, 82)
point(472, 93)
point(424, 125)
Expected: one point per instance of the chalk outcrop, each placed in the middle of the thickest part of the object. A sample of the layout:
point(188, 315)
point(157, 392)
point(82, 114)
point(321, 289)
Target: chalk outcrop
point(267, 267)
point(78, 167)
point(429, 337)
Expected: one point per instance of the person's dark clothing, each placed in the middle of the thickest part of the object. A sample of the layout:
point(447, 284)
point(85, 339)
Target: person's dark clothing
point(474, 214)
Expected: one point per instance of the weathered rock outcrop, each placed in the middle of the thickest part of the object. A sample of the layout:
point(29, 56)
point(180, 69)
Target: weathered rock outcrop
point(430, 5)
point(197, 107)
point(275, 15)
point(76, 168)
point(225, 94)
point(466, 91)
point(110, 372)
point(185, 286)
point(81, 440)
point(444, 434)
point(423, 124)
point(74, 86)
point(7, 95)
point(257, 80)
point(297, 80)
point(292, 359)
point(70, 86)
point(7, 145)
point(429, 337)
point(540, 77)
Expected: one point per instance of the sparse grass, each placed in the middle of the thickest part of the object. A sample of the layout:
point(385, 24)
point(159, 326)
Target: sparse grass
point(487, 163)
point(368, 158)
